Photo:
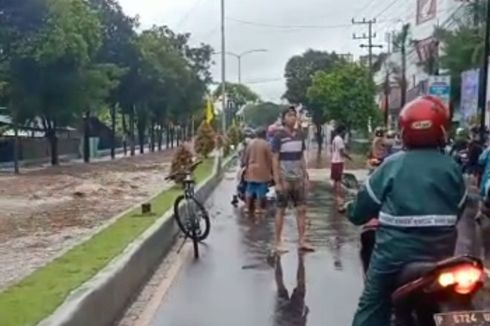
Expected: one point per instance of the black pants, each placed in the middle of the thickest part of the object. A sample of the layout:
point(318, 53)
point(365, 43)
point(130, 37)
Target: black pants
point(368, 238)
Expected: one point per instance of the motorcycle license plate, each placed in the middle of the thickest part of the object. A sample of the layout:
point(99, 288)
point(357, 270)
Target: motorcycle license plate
point(467, 318)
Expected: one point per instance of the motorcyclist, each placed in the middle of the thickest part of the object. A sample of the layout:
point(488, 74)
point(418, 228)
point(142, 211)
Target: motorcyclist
point(460, 141)
point(475, 149)
point(418, 195)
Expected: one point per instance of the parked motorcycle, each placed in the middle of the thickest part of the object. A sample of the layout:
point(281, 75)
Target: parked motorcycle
point(239, 196)
point(432, 293)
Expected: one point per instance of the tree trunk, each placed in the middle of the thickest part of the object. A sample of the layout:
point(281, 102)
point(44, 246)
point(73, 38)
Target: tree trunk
point(86, 137)
point(141, 138)
point(131, 127)
point(53, 143)
point(125, 134)
point(160, 136)
point(167, 135)
point(179, 134)
point(113, 132)
point(187, 131)
point(152, 135)
point(172, 134)
point(16, 148)
point(193, 130)
point(319, 138)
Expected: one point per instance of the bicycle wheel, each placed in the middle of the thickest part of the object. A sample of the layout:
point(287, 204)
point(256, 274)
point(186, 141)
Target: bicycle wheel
point(193, 217)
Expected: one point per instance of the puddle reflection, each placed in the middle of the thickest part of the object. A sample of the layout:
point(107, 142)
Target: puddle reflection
point(291, 310)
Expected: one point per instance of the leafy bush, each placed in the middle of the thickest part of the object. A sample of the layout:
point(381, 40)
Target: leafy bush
point(234, 136)
point(181, 161)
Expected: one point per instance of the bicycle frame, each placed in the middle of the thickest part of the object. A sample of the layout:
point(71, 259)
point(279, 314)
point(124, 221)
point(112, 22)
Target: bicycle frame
point(189, 184)
point(189, 193)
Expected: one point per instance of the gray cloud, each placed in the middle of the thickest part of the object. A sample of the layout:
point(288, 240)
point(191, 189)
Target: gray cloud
point(201, 18)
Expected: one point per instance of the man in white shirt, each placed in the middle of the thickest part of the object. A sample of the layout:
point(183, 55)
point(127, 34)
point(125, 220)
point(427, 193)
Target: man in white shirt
point(337, 165)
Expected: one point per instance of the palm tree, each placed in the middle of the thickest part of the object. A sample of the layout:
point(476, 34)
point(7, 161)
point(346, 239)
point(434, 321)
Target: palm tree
point(402, 42)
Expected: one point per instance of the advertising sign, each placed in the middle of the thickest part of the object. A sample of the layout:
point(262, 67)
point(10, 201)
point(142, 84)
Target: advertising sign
point(426, 10)
point(440, 86)
point(470, 81)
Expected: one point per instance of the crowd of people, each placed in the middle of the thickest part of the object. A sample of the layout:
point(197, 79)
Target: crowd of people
point(416, 194)
point(277, 156)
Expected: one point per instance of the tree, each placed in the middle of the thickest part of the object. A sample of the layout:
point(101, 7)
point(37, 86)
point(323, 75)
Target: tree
point(237, 96)
point(20, 22)
point(262, 114)
point(163, 77)
point(462, 47)
point(64, 60)
point(300, 70)
point(345, 95)
point(299, 73)
point(118, 48)
point(401, 42)
point(49, 76)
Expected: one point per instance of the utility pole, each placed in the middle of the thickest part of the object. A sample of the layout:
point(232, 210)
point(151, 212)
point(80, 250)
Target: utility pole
point(223, 67)
point(369, 37)
point(387, 91)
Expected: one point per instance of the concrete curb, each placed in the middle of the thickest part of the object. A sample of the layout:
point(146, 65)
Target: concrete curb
point(101, 300)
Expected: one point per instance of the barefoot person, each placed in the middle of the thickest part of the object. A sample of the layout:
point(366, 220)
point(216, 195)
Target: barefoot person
point(258, 164)
point(337, 165)
point(290, 176)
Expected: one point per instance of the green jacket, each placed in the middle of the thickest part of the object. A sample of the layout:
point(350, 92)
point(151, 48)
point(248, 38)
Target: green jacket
point(418, 196)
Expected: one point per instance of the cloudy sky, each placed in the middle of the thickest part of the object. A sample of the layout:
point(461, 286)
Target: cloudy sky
point(283, 27)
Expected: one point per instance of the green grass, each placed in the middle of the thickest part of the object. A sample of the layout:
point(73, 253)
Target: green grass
point(38, 295)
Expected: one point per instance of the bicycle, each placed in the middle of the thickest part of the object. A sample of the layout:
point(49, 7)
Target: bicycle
point(192, 208)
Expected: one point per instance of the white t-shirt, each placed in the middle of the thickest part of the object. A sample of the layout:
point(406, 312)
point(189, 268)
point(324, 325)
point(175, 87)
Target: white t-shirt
point(337, 146)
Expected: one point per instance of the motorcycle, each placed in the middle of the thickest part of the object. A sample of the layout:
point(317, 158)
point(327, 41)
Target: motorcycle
point(241, 188)
point(431, 293)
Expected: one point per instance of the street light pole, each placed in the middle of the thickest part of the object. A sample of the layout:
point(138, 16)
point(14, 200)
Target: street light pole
point(239, 59)
point(482, 99)
point(223, 67)
point(239, 69)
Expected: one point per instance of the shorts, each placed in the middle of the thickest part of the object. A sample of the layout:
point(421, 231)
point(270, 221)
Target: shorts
point(257, 190)
point(336, 171)
point(294, 191)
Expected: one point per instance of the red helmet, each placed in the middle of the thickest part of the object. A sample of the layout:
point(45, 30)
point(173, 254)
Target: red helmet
point(424, 122)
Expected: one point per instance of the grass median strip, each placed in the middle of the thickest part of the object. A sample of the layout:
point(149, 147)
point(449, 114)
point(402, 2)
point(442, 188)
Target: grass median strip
point(39, 294)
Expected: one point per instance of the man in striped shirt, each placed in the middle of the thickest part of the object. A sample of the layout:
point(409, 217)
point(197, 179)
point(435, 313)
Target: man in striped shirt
point(290, 176)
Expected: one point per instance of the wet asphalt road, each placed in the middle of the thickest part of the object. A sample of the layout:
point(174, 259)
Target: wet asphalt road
point(237, 282)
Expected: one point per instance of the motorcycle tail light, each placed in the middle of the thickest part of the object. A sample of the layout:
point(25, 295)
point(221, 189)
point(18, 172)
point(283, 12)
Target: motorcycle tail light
point(463, 278)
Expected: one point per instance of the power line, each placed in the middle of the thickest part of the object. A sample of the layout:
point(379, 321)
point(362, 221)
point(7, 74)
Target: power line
point(291, 27)
point(366, 6)
point(259, 24)
point(188, 13)
point(386, 8)
point(263, 81)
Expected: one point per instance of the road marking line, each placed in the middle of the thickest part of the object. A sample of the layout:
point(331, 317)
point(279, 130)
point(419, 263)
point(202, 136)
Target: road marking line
point(147, 316)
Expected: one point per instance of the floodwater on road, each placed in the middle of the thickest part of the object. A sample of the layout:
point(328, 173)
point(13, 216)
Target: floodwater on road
point(238, 282)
